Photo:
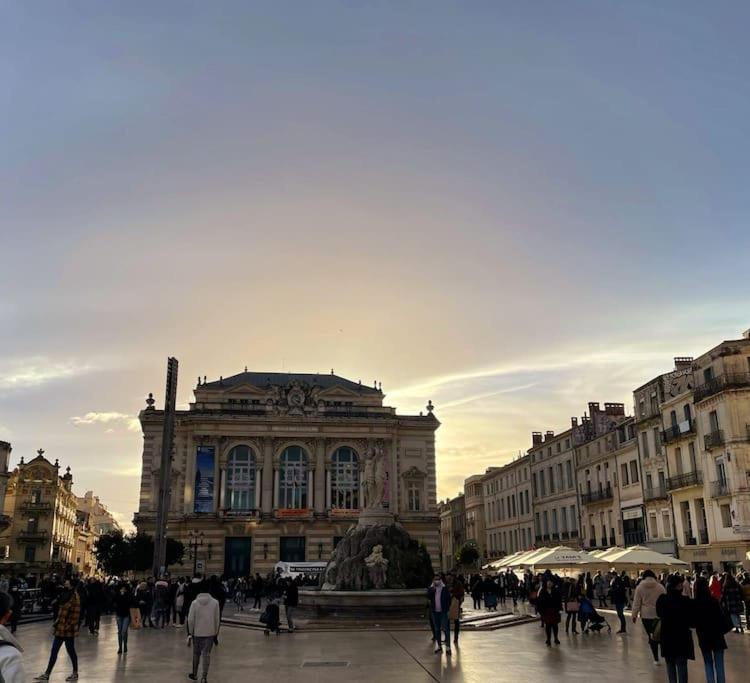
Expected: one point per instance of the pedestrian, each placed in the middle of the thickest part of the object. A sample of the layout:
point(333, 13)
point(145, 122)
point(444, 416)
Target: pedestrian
point(291, 600)
point(179, 601)
point(619, 594)
point(710, 628)
point(646, 594)
point(161, 603)
point(745, 586)
point(476, 591)
point(204, 619)
point(571, 603)
point(676, 615)
point(731, 600)
point(454, 613)
point(600, 589)
point(257, 590)
point(124, 602)
point(549, 606)
point(440, 601)
point(144, 602)
point(94, 605)
point(11, 661)
point(271, 617)
point(65, 629)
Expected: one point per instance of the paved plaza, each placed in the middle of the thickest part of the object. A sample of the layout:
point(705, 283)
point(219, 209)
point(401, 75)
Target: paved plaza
point(510, 654)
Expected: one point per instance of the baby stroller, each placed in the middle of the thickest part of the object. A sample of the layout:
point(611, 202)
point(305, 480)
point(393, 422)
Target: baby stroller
point(590, 619)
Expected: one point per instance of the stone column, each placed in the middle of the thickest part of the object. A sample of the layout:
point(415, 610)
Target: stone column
point(258, 503)
point(275, 488)
point(311, 489)
point(395, 480)
point(268, 478)
point(320, 476)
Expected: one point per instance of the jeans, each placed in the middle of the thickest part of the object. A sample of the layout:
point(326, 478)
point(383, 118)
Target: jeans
point(93, 614)
point(256, 602)
point(442, 623)
point(70, 646)
point(648, 626)
point(162, 616)
point(123, 623)
point(736, 620)
point(677, 671)
point(571, 618)
point(477, 602)
point(551, 630)
point(620, 608)
point(713, 660)
point(202, 646)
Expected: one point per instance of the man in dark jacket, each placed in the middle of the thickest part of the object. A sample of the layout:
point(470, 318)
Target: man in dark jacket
point(677, 618)
point(290, 603)
point(440, 602)
point(619, 594)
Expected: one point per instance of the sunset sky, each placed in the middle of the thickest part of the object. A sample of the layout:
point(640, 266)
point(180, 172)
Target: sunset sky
point(509, 208)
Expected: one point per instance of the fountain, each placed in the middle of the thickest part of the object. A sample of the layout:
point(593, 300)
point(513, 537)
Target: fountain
point(377, 566)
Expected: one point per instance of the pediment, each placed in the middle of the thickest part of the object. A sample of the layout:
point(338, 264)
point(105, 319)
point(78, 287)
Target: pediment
point(338, 392)
point(413, 473)
point(245, 388)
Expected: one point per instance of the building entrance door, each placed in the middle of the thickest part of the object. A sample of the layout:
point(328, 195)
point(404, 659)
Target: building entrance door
point(237, 556)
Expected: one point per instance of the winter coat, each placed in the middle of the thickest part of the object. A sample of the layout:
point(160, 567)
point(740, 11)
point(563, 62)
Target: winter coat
point(123, 603)
point(204, 617)
point(292, 595)
point(549, 606)
point(646, 594)
point(618, 591)
point(709, 624)
point(677, 618)
point(445, 598)
point(11, 662)
point(68, 617)
point(731, 598)
point(600, 586)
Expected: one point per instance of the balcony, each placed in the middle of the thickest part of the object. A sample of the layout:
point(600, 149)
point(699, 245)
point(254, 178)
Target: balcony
point(635, 538)
point(690, 539)
point(730, 380)
point(682, 481)
point(678, 431)
point(655, 493)
point(32, 536)
point(714, 439)
point(597, 496)
point(39, 506)
point(703, 536)
point(719, 489)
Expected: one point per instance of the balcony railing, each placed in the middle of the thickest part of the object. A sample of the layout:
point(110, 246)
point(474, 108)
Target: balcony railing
point(719, 489)
point(635, 537)
point(597, 496)
point(678, 431)
point(32, 536)
point(703, 536)
point(681, 481)
point(655, 493)
point(38, 506)
point(730, 380)
point(690, 539)
point(714, 439)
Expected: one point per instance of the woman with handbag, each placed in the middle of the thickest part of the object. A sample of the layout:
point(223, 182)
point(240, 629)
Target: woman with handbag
point(647, 592)
point(731, 600)
point(710, 625)
point(570, 599)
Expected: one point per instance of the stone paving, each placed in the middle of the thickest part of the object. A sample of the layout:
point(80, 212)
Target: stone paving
point(510, 654)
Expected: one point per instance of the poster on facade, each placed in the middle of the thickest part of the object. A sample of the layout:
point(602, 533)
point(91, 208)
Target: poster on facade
point(204, 479)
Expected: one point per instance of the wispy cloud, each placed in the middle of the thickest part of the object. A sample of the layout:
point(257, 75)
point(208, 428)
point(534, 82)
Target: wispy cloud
point(30, 372)
point(107, 418)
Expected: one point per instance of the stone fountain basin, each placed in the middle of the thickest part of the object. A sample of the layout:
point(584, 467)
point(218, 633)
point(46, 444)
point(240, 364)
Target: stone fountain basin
point(407, 602)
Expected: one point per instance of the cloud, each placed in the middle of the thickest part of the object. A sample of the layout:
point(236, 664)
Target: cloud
point(106, 418)
point(30, 372)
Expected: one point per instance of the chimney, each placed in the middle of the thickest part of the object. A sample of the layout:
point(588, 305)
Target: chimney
point(573, 421)
point(593, 409)
point(549, 435)
point(536, 438)
point(614, 409)
point(681, 362)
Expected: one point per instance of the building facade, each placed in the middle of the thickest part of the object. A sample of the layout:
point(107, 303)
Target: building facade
point(452, 530)
point(475, 517)
point(42, 508)
point(5, 450)
point(553, 487)
point(99, 519)
point(509, 525)
point(268, 466)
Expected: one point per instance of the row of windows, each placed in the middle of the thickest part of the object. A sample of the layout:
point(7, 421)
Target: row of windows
point(558, 449)
point(509, 541)
point(505, 508)
point(551, 479)
point(555, 521)
point(506, 481)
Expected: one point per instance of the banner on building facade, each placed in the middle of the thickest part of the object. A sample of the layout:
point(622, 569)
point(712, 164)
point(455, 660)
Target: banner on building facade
point(204, 479)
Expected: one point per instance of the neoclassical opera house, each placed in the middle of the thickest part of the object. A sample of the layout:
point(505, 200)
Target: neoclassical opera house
point(268, 467)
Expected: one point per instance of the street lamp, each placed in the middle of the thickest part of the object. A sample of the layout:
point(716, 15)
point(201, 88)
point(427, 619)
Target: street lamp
point(195, 542)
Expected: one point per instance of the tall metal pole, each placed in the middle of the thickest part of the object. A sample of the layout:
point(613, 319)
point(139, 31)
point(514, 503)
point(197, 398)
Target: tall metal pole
point(165, 471)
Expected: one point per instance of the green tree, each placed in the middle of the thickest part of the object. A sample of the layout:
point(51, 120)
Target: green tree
point(118, 554)
point(112, 553)
point(468, 555)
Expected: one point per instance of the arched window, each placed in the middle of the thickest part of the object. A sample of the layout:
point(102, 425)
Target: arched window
point(345, 479)
point(241, 478)
point(293, 479)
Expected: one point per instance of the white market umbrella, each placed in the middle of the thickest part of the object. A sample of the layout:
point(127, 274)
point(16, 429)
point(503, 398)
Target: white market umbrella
point(527, 558)
point(640, 556)
point(509, 559)
point(562, 556)
point(606, 554)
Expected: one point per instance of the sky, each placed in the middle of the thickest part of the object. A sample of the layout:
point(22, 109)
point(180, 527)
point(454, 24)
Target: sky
point(509, 208)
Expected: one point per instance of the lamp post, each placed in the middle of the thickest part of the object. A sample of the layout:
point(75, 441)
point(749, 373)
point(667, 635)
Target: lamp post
point(195, 542)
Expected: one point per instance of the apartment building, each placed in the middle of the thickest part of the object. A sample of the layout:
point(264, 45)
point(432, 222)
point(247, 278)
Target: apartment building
point(720, 513)
point(509, 521)
point(475, 519)
point(553, 487)
point(452, 529)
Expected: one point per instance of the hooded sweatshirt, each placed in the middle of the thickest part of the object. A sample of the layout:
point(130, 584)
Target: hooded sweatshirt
point(11, 662)
point(204, 617)
point(645, 597)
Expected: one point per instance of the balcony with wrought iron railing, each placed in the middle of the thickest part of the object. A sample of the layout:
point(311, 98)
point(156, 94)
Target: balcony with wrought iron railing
point(714, 439)
point(635, 537)
point(720, 489)
point(703, 536)
point(29, 536)
point(678, 431)
point(715, 385)
point(591, 497)
point(682, 481)
point(655, 493)
point(36, 506)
